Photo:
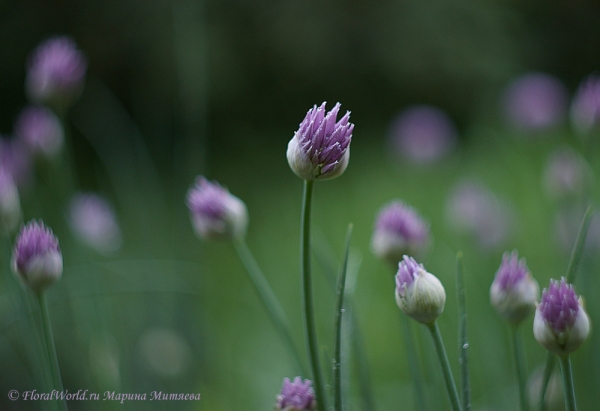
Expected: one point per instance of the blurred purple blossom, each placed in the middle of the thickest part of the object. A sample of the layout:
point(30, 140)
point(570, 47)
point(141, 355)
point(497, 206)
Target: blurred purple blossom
point(16, 160)
point(41, 130)
point(93, 220)
point(585, 107)
point(474, 210)
point(10, 202)
point(296, 396)
point(422, 134)
point(567, 174)
point(56, 71)
point(535, 102)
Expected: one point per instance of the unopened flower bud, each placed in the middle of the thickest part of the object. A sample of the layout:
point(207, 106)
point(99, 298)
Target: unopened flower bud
point(399, 230)
point(561, 324)
point(93, 220)
point(585, 108)
point(10, 204)
point(320, 149)
point(419, 294)
point(296, 396)
point(215, 213)
point(37, 259)
point(514, 291)
point(41, 131)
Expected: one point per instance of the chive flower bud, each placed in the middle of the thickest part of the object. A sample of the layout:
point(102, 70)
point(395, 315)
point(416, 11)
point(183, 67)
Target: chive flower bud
point(561, 324)
point(10, 203)
point(585, 108)
point(399, 230)
point(93, 220)
point(215, 213)
point(41, 131)
point(56, 72)
point(514, 291)
point(320, 149)
point(36, 258)
point(419, 294)
point(296, 396)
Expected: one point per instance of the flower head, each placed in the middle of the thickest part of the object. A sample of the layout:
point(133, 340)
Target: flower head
point(514, 291)
point(10, 203)
point(419, 294)
point(296, 396)
point(320, 149)
point(535, 102)
point(41, 130)
point(56, 71)
point(399, 230)
point(215, 213)
point(37, 259)
point(561, 324)
point(94, 222)
point(423, 134)
point(585, 108)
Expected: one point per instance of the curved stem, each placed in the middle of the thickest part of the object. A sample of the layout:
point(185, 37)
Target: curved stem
point(567, 378)
point(309, 315)
point(521, 369)
point(446, 371)
point(269, 301)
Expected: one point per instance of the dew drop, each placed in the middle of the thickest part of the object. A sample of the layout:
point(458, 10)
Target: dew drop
point(465, 346)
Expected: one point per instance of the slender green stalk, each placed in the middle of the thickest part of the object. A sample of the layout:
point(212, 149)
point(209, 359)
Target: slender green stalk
point(567, 379)
point(463, 341)
point(446, 371)
point(579, 243)
point(309, 315)
point(550, 359)
point(337, 369)
point(50, 347)
point(521, 367)
point(413, 363)
point(270, 302)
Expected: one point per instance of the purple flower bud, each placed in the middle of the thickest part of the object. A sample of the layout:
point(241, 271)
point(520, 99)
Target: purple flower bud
point(561, 324)
point(399, 230)
point(423, 134)
point(41, 130)
point(296, 396)
point(419, 294)
point(94, 222)
point(37, 259)
point(215, 213)
point(585, 108)
point(535, 102)
point(56, 71)
point(320, 149)
point(10, 203)
point(567, 174)
point(514, 291)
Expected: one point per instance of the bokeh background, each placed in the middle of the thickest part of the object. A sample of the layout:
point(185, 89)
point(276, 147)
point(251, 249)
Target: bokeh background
point(180, 88)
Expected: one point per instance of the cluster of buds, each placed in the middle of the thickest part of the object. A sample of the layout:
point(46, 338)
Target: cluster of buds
point(296, 396)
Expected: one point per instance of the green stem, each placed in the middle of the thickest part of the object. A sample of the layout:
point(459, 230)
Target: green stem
point(269, 301)
point(579, 243)
point(309, 315)
point(567, 378)
point(337, 369)
point(550, 357)
point(463, 341)
point(521, 368)
point(446, 371)
point(50, 347)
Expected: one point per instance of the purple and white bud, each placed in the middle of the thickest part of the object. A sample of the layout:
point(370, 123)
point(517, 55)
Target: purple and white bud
point(561, 324)
point(36, 258)
point(56, 72)
point(514, 291)
point(93, 220)
point(399, 230)
point(585, 107)
point(215, 213)
point(320, 149)
point(296, 396)
point(10, 203)
point(41, 131)
point(419, 294)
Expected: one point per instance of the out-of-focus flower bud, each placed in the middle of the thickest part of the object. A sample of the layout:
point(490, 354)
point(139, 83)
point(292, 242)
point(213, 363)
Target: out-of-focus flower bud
point(585, 108)
point(94, 222)
point(320, 149)
point(419, 294)
point(296, 396)
point(514, 291)
point(215, 213)
point(561, 324)
point(10, 204)
point(41, 131)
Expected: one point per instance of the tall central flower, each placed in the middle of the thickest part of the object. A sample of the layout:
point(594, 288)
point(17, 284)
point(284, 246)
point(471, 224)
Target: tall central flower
point(320, 149)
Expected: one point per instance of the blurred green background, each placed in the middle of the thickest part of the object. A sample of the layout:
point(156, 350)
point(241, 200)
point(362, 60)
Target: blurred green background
point(180, 88)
